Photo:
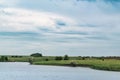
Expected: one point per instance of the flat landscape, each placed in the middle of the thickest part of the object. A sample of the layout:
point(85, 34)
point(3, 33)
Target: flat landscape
point(59, 39)
point(100, 63)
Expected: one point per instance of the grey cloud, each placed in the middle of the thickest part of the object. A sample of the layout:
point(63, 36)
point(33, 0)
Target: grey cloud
point(20, 36)
point(98, 38)
point(60, 23)
point(17, 33)
point(74, 33)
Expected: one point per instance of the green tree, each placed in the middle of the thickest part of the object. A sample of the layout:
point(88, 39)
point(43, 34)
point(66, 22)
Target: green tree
point(4, 59)
point(36, 55)
point(58, 58)
point(66, 57)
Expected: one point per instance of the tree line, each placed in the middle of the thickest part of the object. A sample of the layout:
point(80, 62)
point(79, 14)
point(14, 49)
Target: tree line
point(65, 57)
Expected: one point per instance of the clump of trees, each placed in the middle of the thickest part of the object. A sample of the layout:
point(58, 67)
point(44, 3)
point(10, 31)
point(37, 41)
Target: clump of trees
point(58, 58)
point(16, 56)
point(36, 55)
point(62, 58)
point(4, 59)
point(66, 57)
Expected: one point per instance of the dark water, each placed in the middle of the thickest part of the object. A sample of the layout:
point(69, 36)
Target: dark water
point(24, 71)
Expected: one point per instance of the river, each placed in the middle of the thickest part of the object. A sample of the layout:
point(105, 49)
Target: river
point(24, 71)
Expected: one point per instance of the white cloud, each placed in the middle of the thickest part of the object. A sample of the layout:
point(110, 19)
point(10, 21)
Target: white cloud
point(20, 20)
point(13, 19)
point(8, 3)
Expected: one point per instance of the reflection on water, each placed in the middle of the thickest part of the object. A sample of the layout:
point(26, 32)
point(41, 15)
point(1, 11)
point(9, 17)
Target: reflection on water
point(24, 71)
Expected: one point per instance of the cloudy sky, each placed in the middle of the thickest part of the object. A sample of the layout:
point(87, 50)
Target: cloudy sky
point(58, 27)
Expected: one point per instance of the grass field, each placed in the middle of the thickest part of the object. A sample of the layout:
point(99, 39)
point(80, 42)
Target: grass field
point(110, 65)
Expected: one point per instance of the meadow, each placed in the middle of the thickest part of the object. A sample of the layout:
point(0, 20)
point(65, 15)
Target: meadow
point(110, 65)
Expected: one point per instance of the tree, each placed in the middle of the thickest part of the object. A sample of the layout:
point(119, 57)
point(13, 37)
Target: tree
point(58, 58)
point(66, 57)
point(36, 55)
point(83, 58)
point(4, 59)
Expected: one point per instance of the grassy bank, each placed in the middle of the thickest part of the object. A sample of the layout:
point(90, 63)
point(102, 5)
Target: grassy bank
point(101, 63)
point(110, 65)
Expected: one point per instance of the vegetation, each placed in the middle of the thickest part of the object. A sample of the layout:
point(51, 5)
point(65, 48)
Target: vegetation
point(3, 59)
point(36, 55)
point(66, 57)
point(111, 63)
point(58, 58)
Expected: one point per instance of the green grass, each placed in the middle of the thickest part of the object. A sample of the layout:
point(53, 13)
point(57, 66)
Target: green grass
point(110, 65)
point(23, 59)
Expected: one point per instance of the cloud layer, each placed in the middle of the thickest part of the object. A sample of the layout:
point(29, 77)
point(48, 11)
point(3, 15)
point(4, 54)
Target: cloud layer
point(83, 27)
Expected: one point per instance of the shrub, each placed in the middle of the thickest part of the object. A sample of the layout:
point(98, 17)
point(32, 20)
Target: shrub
point(4, 58)
point(66, 57)
point(73, 64)
point(58, 58)
point(30, 60)
point(47, 59)
point(36, 55)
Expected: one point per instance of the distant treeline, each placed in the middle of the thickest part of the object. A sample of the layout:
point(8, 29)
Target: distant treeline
point(39, 56)
point(104, 57)
point(3, 58)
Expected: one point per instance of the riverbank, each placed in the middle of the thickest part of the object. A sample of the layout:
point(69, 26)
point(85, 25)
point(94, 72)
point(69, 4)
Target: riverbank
point(101, 63)
point(109, 65)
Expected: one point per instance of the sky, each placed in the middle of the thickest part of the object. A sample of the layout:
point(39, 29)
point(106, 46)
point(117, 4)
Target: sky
point(59, 27)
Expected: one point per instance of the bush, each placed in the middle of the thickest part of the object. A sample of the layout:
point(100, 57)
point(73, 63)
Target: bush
point(4, 59)
point(30, 60)
point(83, 58)
point(73, 64)
point(66, 57)
point(58, 58)
point(36, 55)
point(47, 59)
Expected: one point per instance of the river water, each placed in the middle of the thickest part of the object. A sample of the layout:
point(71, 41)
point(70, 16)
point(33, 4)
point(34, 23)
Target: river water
point(24, 71)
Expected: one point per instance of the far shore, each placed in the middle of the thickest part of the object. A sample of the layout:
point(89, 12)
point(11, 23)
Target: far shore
point(108, 65)
point(99, 63)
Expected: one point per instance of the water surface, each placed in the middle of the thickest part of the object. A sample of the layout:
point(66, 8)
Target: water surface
point(24, 71)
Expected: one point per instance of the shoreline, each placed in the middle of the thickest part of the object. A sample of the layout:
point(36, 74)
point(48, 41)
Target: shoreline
point(101, 66)
point(99, 63)
point(69, 65)
point(81, 66)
